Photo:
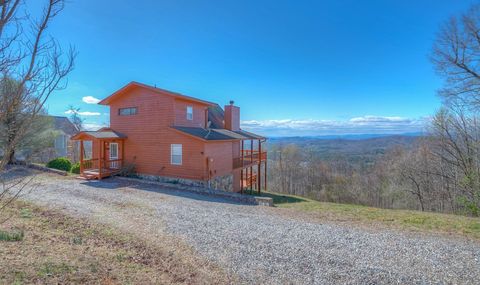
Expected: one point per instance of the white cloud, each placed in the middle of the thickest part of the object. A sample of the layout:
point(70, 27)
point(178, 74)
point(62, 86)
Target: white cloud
point(93, 126)
point(83, 113)
point(90, 100)
point(357, 125)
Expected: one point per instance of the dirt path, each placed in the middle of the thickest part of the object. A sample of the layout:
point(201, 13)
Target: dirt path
point(261, 246)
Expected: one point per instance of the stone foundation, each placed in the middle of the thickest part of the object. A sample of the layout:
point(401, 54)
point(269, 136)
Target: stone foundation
point(223, 183)
point(172, 180)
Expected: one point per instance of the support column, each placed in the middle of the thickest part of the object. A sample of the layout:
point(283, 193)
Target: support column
point(265, 173)
point(251, 164)
point(241, 171)
point(123, 154)
point(259, 176)
point(81, 157)
point(100, 144)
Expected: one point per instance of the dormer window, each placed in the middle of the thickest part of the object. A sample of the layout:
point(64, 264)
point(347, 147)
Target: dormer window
point(189, 113)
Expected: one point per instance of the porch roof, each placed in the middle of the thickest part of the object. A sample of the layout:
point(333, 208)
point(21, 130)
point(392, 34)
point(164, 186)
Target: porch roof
point(100, 134)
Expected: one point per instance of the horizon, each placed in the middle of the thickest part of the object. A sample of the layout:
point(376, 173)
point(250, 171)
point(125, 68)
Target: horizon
point(308, 69)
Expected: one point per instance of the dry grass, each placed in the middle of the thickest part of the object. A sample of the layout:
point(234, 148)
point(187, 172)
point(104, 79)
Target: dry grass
point(375, 217)
point(57, 249)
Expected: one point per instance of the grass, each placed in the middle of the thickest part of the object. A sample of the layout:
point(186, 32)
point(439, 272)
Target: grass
point(58, 249)
point(403, 219)
point(14, 235)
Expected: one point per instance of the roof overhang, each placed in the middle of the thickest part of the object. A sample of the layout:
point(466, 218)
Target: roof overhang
point(134, 84)
point(216, 135)
point(102, 134)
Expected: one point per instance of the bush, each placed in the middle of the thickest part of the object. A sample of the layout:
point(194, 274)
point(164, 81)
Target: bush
point(60, 163)
point(16, 235)
point(76, 168)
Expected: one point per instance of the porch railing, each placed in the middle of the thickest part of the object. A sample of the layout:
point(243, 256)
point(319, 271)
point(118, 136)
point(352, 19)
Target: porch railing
point(249, 157)
point(105, 165)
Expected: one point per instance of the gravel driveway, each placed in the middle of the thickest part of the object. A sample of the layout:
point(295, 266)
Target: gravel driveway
point(262, 246)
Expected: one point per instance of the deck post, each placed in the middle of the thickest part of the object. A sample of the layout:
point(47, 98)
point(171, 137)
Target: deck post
point(259, 176)
point(241, 170)
point(81, 157)
point(265, 173)
point(251, 163)
point(100, 159)
point(123, 153)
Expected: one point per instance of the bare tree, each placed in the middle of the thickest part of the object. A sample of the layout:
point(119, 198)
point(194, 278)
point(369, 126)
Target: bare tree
point(456, 57)
point(34, 60)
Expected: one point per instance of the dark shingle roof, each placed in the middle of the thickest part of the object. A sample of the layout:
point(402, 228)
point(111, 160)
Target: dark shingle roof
point(104, 133)
point(64, 124)
point(217, 134)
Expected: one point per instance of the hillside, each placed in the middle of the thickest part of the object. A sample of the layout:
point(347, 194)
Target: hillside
point(353, 148)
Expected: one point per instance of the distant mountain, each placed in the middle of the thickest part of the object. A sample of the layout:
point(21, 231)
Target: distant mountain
point(349, 136)
point(354, 148)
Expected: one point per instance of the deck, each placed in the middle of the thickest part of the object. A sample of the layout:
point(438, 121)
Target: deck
point(91, 168)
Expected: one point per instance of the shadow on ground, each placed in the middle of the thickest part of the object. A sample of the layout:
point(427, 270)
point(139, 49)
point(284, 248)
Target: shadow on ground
point(278, 198)
point(113, 183)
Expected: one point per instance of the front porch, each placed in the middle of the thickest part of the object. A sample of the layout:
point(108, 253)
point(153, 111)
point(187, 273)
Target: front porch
point(102, 153)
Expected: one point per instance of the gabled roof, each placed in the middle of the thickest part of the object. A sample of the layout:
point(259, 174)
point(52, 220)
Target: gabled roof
point(104, 133)
point(65, 125)
point(134, 84)
point(217, 134)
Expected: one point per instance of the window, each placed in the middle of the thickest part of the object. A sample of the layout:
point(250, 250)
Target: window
point(127, 111)
point(189, 113)
point(176, 154)
point(114, 156)
point(113, 150)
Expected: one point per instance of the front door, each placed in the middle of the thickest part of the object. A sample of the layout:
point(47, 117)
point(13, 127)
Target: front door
point(113, 150)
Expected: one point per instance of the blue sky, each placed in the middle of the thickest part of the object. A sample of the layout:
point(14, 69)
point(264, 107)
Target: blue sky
point(294, 67)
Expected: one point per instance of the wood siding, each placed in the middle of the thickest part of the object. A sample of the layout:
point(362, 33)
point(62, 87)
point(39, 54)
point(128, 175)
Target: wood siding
point(221, 153)
point(149, 135)
point(181, 114)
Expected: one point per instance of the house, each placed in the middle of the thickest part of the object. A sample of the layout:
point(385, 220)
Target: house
point(54, 143)
point(171, 137)
point(63, 145)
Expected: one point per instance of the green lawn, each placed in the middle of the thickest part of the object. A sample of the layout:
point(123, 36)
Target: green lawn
point(404, 219)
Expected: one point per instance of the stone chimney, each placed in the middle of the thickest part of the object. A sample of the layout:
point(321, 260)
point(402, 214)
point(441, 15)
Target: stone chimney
point(232, 117)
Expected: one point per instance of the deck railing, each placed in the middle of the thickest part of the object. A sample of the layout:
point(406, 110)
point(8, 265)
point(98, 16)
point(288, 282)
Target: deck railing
point(249, 157)
point(88, 164)
point(106, 165)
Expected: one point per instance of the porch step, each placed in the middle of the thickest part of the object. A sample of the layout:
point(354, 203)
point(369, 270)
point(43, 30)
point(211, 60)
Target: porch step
point(89, 176)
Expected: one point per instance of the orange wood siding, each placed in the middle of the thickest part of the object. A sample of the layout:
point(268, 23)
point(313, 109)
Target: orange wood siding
point(149, 136)
point(221, 152)
point(181, 114)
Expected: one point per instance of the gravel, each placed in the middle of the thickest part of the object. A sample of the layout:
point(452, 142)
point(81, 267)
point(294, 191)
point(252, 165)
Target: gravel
point(262, 246)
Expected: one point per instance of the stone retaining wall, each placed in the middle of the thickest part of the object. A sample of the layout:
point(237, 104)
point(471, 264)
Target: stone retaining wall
point(246, 199)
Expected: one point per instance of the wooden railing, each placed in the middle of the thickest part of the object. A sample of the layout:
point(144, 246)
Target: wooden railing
point(106, 165)
point(249, 157)
point(90, 164)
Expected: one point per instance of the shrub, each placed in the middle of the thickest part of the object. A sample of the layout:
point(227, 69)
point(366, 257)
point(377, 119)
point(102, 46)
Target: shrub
point(76, 168)
point(128, 170)
point(16, 235)
point(60, 163)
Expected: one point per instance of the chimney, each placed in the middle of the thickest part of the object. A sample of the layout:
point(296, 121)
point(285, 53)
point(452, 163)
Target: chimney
point(232, 117)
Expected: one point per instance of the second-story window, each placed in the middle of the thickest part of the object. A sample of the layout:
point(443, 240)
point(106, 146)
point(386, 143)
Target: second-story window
point(189, 113)
point(127, 111)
